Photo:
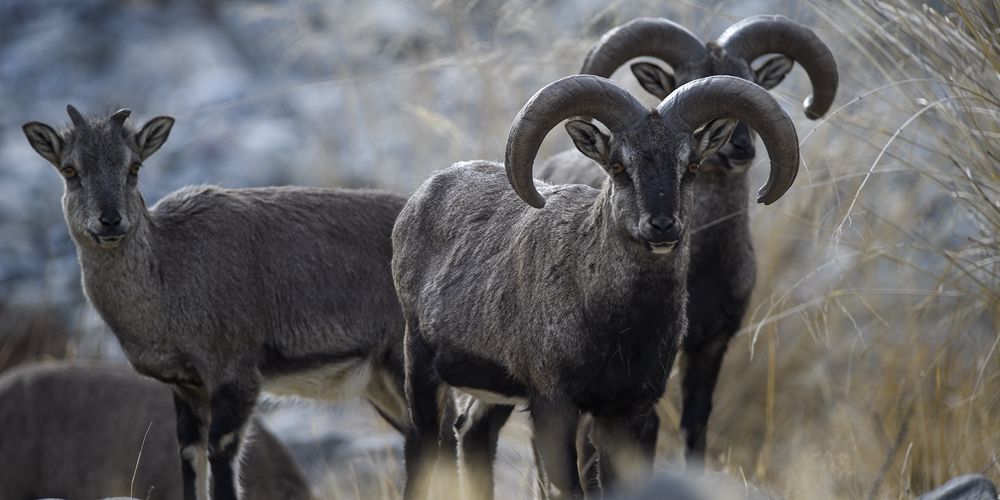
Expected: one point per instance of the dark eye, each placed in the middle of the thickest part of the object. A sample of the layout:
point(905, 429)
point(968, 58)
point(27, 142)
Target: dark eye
point(134, 169)
point(693, 166)
point(617, 168)
point(68, 171)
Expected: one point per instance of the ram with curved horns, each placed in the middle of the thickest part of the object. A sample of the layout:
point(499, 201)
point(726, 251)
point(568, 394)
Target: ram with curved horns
point(578, 304)
point(723, 267)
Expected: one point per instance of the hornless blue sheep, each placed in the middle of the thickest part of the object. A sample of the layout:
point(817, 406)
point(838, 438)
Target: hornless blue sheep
point(224, 293)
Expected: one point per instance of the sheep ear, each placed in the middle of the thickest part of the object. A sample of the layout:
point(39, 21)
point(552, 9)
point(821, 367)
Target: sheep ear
point(153, 134)
point(654, 79)
point(589, 140)
point(772, 71)
point(713, 135)
point(45, 141)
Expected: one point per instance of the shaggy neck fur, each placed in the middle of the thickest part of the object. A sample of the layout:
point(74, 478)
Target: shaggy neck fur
point(122, 284)
point(719, 195)
point(644, 284)
point(635, 310)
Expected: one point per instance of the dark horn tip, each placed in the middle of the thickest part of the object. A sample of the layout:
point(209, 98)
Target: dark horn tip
point(119, 117)
point(75, 116)
point(769, 197)
point(811, 112)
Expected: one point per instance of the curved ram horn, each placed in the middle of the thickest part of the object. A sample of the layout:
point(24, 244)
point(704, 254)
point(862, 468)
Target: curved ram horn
point(705, 99)
point(645, 36)
point(577, 95)
point(759, 35)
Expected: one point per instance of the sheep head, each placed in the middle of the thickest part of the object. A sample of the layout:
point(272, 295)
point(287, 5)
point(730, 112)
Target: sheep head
point(653, 155)
point(732, 54)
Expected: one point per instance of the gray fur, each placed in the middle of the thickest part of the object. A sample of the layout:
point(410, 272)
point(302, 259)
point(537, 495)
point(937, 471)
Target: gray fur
point(575, 308)
point(74, 430)
point(225, 292)
point(539, 293)
point(966, 487)
point(481, 289)
point(723, 268)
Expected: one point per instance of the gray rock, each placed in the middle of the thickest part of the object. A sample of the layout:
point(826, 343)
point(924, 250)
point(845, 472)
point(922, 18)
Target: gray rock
point(967, 487)
point(678, 485)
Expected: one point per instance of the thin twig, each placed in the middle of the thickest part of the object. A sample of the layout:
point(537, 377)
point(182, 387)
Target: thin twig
point(135, 471)
point(877, 485)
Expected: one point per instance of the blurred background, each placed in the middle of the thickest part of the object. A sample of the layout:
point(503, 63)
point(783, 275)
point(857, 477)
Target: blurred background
point(868, 364)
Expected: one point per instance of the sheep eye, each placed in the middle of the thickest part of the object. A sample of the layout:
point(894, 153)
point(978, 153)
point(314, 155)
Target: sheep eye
point(68, 172)
point(134, 169)
point(693, 166)
point(617, 168)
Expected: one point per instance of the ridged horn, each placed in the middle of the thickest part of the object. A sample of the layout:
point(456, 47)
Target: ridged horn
point(759, 35)
point(578, 95)
point(75, 116)
point(705, 99)
point(644, 36)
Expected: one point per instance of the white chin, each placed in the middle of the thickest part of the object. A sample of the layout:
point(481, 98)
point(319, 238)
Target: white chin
point(662, 249)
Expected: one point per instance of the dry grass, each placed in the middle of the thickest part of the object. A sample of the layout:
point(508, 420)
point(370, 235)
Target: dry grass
point(868, 367)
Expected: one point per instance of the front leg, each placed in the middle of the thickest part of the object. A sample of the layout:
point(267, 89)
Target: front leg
point(701, 372)
point(232, 405)
point(192, 411)
point(554, 436)
point(627, 447)
point(587, 459)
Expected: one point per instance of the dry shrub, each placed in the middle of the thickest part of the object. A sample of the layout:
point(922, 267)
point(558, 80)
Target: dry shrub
point(867, 367)
point(868, 363)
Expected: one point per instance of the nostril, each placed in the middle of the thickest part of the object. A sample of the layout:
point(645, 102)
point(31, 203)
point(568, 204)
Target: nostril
point(664, 229)
point(661, 223)
point(111, 219)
